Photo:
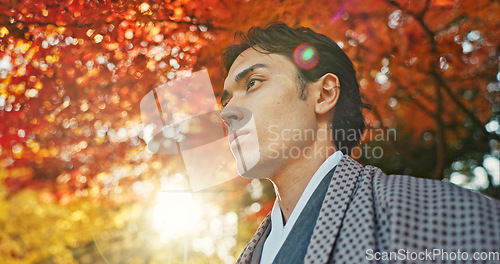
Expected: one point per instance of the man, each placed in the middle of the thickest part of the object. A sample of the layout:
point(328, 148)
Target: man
point(294, 113)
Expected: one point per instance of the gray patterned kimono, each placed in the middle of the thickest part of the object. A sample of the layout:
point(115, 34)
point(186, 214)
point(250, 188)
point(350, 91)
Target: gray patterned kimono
point(360, 215)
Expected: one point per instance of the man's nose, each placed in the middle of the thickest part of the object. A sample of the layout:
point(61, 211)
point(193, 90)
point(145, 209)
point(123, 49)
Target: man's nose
point(231, 115)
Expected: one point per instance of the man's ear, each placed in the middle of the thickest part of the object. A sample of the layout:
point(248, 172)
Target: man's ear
point(329, 91)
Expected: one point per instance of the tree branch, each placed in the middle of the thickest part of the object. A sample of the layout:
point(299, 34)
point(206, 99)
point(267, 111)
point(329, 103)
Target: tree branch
point(460, 105)
point(440, 136)
point(403, 150)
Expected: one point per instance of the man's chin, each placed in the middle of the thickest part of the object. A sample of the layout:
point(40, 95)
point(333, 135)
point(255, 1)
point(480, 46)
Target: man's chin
point(251, 172)
point(259, 170)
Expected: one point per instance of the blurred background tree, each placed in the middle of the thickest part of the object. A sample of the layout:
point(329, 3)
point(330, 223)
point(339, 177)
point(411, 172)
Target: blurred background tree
point(78, 186)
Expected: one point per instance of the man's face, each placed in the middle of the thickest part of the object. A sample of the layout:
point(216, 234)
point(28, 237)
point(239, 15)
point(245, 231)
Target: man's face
point(265, 114)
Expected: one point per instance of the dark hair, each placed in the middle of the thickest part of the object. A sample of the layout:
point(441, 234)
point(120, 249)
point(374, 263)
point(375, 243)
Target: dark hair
point(347, 122)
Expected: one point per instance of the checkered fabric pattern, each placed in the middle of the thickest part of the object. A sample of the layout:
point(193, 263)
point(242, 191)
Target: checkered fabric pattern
point(332, 212)
point(246, 255)
point(365, 211)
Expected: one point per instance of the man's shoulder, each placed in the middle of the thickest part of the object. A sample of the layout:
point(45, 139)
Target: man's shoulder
point(395, 189)
point(420, 213)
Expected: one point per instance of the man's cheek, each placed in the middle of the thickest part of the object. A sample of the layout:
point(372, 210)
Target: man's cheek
point(269, 100)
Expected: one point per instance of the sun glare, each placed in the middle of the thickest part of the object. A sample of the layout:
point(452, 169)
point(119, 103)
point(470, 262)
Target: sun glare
point(176, 214)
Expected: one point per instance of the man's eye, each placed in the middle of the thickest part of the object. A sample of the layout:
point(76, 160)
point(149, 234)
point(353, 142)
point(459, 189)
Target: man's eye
point(251, 83)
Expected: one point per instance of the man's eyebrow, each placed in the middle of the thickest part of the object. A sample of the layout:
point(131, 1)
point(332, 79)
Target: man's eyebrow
point(243, 73)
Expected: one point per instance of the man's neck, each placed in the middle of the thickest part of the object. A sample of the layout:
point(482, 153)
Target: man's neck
point(291, 182)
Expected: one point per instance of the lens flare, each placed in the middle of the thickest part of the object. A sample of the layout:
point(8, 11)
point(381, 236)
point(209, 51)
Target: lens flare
point(306, 56)
point(337, 15)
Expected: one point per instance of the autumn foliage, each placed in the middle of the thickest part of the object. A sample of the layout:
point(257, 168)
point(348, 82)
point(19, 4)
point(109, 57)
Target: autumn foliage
point(73, 72)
